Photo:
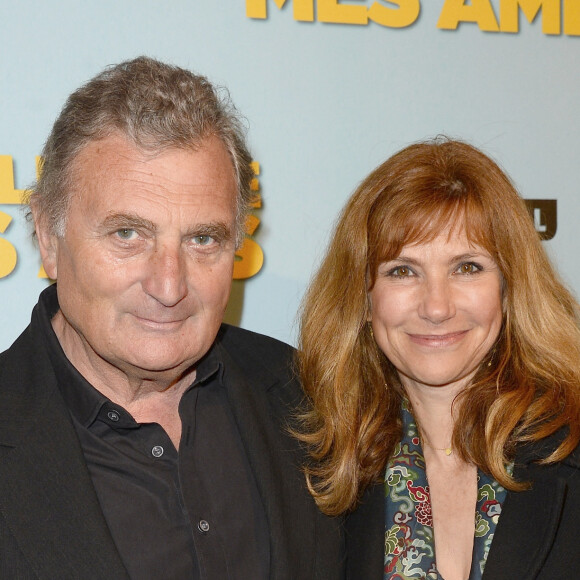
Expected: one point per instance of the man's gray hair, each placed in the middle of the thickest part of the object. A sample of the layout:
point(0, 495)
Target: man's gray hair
point(157, 107)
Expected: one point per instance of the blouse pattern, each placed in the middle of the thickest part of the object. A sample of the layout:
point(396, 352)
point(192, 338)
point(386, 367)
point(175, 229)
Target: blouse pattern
point(409, 538)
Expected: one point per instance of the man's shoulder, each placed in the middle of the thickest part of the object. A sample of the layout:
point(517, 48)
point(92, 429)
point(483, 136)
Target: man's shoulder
point(261, 360)
point(254, 347)
point(24, 350)
point(227, 332)
point(27, 383)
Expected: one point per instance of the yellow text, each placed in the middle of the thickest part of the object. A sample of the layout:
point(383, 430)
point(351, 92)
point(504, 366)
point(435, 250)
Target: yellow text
point(553, 14)
point(249, 258)
point(557, 16)
point(8, 256)
point(403, 14)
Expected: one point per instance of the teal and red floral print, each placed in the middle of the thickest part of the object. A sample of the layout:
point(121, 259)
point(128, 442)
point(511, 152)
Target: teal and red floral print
point(409, 540)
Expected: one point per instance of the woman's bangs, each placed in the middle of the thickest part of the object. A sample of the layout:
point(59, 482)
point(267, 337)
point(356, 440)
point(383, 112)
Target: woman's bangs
point(422, 223)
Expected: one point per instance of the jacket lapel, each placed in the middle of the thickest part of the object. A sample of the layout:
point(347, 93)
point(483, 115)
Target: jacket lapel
point(48, 500)
point(365, 536)
point(527, 526)
point(260, 406)
point(522, 542)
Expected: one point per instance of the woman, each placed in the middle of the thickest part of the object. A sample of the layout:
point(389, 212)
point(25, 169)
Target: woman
point(441, 355)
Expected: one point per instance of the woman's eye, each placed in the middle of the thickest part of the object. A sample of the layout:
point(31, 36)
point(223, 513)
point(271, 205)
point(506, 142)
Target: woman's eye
point(400, 272)
point(126, 233)
point(203, 240)
point(468, 268)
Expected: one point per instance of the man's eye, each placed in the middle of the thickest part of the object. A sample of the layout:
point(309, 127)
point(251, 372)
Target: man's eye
point(126, 233)
point(203, 240)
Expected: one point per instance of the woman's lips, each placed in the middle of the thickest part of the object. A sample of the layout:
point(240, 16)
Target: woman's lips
point(438, 340)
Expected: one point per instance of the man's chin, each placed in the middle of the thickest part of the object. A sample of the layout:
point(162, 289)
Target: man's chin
point(154, 368)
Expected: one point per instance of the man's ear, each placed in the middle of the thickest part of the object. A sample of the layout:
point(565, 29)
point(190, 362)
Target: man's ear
point(48, 245)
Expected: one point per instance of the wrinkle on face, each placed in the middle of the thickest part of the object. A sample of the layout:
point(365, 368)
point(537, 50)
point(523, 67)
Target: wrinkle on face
point(145, 266)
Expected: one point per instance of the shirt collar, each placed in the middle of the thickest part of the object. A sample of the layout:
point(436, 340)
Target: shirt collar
point(82, 399)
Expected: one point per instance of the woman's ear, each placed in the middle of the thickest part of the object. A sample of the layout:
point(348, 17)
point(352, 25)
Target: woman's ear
point(369, 302)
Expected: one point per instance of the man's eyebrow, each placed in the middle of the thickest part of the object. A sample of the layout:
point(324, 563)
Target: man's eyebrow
point(128, 221)
point(217, 230)
point(118, 221)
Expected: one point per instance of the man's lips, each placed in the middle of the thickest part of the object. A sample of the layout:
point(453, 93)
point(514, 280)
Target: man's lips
point(159, 322)
point(438, 340)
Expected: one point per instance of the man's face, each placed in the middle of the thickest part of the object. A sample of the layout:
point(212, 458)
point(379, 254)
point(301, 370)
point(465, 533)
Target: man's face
point(145, 267)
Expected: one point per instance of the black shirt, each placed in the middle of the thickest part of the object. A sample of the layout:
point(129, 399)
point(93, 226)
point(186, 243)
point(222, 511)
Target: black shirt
point(193, 513)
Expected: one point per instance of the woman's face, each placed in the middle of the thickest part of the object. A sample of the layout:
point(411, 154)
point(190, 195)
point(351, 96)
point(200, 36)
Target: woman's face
point(436, 310)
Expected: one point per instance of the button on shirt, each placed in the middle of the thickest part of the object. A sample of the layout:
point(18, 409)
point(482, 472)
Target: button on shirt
point(195, 513)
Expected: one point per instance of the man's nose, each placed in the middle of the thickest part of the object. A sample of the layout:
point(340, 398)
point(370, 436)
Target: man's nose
point(165, 277)
point(437, 303)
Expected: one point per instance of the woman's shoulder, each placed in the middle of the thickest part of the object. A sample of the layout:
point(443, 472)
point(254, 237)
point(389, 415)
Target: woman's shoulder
point(573, 460)
point(533, 453)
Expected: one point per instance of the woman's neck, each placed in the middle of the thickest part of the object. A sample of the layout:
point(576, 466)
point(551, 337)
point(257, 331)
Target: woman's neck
point(434, 412)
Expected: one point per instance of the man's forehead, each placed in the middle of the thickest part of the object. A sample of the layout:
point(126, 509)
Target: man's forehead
point(118, 147)
point(116, 158)
point(193, 190)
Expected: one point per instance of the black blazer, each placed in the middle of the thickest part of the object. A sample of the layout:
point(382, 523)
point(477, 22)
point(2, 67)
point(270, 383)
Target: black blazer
point(51, 524)
point(537, 536)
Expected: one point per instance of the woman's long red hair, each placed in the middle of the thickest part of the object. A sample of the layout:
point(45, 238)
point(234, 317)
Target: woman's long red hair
point(530, 390)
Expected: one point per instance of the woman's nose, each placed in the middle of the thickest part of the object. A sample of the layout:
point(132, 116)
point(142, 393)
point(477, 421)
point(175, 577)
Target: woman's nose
point(437, 304)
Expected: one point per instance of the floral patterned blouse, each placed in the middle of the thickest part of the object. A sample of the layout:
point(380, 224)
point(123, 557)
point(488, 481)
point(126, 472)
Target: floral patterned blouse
point(409, 541)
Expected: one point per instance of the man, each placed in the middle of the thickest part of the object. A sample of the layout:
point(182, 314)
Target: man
point(139, 437)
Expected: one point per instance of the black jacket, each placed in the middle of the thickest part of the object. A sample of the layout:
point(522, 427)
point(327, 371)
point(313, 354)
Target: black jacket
point(537, 537)
point(51, 524)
